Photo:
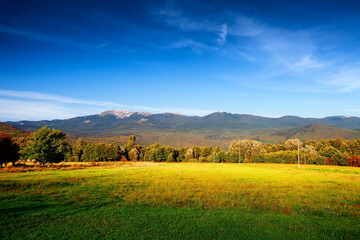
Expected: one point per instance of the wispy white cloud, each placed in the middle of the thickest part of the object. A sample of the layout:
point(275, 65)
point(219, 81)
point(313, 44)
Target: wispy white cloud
point(25, 105)
point(186, 43)
point(27, 34)
point(307, 62)
point(196, 47)
point(223, 34)
point(54, 98)
point(30, 34)
point(290, 59)
point(291, 50)
point(177, 18)
point(300, 56)
point(346, 79)
point(245, 27)
point(246, 56)
point(294, 51)
point(39, 110)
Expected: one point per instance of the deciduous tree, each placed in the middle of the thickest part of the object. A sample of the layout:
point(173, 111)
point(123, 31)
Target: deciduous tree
point(46, 145)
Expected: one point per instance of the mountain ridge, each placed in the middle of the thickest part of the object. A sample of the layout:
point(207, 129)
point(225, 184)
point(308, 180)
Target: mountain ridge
point(214, 128)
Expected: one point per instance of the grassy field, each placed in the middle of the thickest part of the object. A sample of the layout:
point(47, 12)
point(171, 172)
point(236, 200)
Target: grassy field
point(182, 201)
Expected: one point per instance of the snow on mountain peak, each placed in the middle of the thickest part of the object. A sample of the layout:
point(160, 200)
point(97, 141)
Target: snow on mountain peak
point(174, 113)
point(123, 113)
point(144, 113)
point(119, 113)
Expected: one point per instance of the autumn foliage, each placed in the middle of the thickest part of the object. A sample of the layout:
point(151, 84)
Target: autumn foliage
point(354, 161)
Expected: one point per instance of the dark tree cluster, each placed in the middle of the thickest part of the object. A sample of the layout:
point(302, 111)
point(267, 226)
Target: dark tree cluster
point(9, 150)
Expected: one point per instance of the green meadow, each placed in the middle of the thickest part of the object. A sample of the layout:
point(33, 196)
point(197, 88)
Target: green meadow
point(182, 201)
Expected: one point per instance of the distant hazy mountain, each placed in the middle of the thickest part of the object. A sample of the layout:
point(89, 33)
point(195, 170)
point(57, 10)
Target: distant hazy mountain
point(215, 128)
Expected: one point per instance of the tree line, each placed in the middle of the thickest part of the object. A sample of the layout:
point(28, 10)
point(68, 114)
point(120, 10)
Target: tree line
point(50, 146)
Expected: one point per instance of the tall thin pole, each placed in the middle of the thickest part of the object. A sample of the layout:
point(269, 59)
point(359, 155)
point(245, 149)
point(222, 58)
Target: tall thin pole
point(298, 154)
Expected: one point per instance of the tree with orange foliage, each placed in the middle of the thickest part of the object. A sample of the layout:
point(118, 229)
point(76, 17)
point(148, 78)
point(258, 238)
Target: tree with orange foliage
point(354, 161)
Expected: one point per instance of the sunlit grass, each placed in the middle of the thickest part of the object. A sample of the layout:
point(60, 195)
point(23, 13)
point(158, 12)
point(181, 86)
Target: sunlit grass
point(321, 194)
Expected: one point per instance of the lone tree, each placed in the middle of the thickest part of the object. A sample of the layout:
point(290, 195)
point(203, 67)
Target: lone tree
point(9, 150)
point(46, 145)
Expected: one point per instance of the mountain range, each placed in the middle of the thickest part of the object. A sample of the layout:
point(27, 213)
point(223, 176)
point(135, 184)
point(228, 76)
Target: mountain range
point(217, 128)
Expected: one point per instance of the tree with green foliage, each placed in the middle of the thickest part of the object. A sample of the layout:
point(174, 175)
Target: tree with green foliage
point(221, 157)
point(284, 156)
point(205, 151)
point(133, 154)
point(321, 145)
point(78, 149)
point(196, 151)
point(335, 156)
point(150, 156)
point(354, 146)
point(46, 146)
point(131, 143)
point(9, 150)
point(233, 157)
point(336, 143)
point(142, 152)
point(91, 153)
point(113, 152)
point(159, 155)
point(170, 158)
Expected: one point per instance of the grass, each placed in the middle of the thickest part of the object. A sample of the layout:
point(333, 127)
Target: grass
point(182, 201)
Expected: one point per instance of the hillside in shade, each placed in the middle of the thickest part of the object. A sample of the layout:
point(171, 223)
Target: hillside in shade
point(218, 128)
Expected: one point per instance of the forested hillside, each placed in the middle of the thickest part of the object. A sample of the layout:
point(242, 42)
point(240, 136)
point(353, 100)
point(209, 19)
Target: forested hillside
point(177, 130)
point(11, 130)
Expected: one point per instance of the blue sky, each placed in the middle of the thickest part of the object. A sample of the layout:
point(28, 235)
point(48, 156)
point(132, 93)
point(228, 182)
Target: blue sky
point(61, 59)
